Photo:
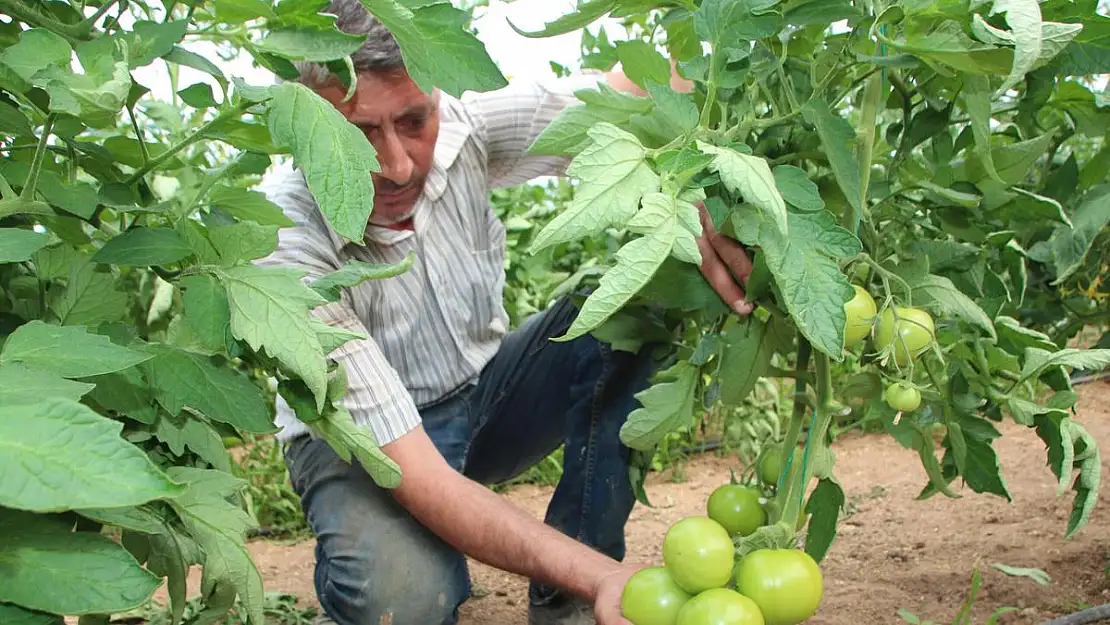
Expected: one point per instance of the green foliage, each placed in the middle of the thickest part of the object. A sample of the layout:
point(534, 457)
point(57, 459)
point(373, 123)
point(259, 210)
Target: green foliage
point(137, 332)
point(946, 158)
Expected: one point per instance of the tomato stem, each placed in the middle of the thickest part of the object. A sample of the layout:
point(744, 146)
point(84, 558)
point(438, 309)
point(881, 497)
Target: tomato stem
point(815, 441)
point(793, 431)
point(36, 163)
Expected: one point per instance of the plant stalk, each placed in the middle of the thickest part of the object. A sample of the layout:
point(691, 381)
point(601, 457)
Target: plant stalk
point(815, 439)
point(794, 430)
point(36, 163)
point(872, 95)
point(20, 11)
point(162, 158)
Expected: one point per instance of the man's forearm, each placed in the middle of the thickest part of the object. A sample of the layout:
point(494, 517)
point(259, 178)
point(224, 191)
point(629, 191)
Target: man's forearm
point(483, 525)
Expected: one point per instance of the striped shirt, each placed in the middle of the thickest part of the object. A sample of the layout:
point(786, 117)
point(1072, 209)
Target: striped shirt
point(432, 329)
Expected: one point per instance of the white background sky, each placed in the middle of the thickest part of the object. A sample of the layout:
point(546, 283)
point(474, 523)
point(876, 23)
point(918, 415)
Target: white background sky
point(517, 56)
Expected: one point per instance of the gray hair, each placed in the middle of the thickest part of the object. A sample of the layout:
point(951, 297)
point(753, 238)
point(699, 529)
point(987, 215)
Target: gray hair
point(380, 52)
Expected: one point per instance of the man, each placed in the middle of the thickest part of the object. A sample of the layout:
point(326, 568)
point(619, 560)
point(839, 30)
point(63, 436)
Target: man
point(451, 396)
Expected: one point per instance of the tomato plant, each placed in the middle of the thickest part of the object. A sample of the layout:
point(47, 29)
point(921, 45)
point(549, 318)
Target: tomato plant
point(720, 606)
point(651, 597)
point(786, 584)
point(698, 554)
point(737, 508)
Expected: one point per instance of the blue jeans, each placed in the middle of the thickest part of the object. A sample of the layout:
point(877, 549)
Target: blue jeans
point(376, 564)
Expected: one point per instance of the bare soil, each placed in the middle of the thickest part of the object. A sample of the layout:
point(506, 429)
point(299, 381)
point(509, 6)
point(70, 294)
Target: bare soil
point(892, 552)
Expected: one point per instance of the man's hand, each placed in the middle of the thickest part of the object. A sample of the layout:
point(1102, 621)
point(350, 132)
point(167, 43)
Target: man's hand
point(607, 606)
point(725, 264)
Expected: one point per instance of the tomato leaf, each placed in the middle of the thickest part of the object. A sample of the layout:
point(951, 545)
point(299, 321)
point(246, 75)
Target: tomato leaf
point(334, 155)
point(438, 50)
point(613, 176)
point(824, 505)
point(52, 569)
point(665, 406)
point(248, 205)
point(69, 351)
point(806, 272)
point(354, 273)
point(318, 45)
point(797, 189)
point(18, 244)
point(338, 428)
point(243, 241)
point(642, 63)
point(206, 310)
point(838, 141)
point(143, 247)
point(567, 134)
point(20, 385)
point(15, 615)
point(59, 455)
point(1038, 360)
point(584, 14)
point(751, 177)
point(745, 355)
point(938, 292)
point(1070, 245)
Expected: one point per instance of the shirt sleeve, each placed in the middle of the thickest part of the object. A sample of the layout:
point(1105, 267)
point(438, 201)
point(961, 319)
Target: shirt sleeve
point(510, 119)
point(376, 398)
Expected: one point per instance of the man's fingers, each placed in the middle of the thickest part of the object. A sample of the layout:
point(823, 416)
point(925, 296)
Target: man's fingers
point(719, 277)
point(733, 254)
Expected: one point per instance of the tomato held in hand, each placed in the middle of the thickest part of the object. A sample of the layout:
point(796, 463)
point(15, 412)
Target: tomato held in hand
point(910, 334)
point(698, 554)
point(786, 584)
point(902, 397)
point(720, 606)
point(860, 316)
point(652, 598)
point(737, 509)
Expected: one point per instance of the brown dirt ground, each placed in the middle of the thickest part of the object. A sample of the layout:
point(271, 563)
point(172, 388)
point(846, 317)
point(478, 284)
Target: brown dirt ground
point(892, 552)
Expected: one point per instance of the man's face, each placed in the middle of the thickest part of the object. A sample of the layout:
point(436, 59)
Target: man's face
point(402, 123)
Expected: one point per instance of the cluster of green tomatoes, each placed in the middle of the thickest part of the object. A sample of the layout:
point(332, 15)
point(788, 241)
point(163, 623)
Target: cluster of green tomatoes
point(702, 582)
point(902, 332)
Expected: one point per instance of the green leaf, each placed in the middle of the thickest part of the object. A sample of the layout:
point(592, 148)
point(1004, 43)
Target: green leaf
point(751, 177)
point(317, 45)
point(18, 245)
point(125, 393)
point(1038, 360)
point(338, 428)
point(197, 436)
point(20, 385)
point(238, 11)
point(146, 41)
point(584, 14)
point(334, 155)
point(206, 310)
point(1086, 485)
point(15, 615)
point(824, 506)
point(980, 468)
point(181, 379)
point(37, 49)
point(354, 273)
point(797, 189)
point(144, 247)
point(219, 529)
point(806, 272)
point(669, 227)
point(1037, 575)
point(270, 309)
point(977, 97)
point(248, 205)
point(199, 96)
point(613, 177)
point(48, 568)
point(181, 56)
point(678, 285)
point(642, 63)
point(1070, 245)
point(938, 292)
point(137, 518)
point(567, 134)
point(678, 111)
point(243, 241)
point(1024, 19)
point(438, 50)
point(728, 23)
point(746, 354)
point(91, 295)
point(59, 455)
point(838, 141)
point(68, 351)
point(665, 406)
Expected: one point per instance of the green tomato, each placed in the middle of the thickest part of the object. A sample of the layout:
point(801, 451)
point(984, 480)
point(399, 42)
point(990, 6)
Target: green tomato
point(860, 316)
point(910, 334)
point(737, 509)
point(651, 597)
point(720, 606)
point(786, 584)
point(769, 464)
point(698, 554)
point(902, 397)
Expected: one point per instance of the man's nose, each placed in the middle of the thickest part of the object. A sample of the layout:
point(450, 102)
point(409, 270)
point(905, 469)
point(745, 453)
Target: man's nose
point(396, 165)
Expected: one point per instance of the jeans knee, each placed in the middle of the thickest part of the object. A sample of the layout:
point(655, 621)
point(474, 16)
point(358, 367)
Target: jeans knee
point(393, 585)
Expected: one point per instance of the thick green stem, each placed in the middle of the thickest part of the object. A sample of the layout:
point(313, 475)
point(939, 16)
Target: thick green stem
point(815, 441)
point(20, 11)
point(872, 99)
point(794, 430)
point(162, 158)
point(36, 163)
point(711, 91)
point(88, 23)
